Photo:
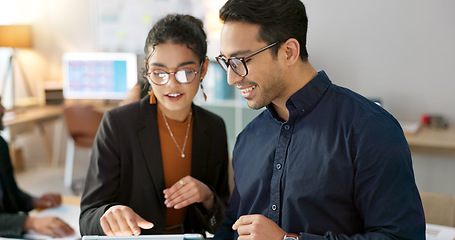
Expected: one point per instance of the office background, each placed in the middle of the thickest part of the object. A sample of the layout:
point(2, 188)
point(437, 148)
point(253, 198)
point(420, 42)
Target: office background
point(399, 51)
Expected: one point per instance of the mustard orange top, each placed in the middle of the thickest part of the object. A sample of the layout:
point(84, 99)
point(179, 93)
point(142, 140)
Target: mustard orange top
point(175, 167)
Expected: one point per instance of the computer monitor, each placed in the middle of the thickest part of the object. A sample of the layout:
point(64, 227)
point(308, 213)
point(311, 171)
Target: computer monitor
point(98, 75)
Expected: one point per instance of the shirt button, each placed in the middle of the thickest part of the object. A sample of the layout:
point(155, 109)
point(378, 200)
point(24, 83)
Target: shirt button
point(278, 166)
point(286, 127)
point(274, 207)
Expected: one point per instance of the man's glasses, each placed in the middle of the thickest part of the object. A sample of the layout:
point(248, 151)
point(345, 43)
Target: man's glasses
point(183, 75)
point(238, 64)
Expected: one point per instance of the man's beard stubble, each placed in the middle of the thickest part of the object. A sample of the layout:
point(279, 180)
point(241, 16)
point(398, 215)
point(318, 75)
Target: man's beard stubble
point(270, 89)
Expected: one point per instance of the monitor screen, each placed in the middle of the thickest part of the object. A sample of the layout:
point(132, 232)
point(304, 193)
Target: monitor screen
point(104, 75)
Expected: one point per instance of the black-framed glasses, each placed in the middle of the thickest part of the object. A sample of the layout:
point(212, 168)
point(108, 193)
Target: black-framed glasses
point(238, 64)
point(183, 75)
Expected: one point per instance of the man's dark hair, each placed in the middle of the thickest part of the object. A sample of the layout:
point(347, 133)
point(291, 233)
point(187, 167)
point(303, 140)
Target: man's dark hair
point(279, 20)
point(179, 29)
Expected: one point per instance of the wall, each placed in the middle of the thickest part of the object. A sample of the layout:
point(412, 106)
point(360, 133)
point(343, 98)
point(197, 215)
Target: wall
point(57, 26)
point(400, 51)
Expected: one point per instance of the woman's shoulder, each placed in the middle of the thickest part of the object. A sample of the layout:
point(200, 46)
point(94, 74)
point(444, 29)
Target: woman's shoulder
point(135, 114)
point(131, 108)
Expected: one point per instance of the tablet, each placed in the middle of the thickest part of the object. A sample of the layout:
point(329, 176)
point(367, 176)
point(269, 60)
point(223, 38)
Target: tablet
point(188, 236)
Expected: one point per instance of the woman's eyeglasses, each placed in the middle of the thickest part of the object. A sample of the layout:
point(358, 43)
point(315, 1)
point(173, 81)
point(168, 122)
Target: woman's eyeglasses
point(183, 75)
point(238, 64)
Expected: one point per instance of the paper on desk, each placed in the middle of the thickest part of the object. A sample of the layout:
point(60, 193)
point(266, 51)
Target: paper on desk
point(68, 213)
point(439, 232)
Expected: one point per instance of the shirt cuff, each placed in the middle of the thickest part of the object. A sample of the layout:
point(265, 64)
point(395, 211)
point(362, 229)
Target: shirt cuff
point(12, 224)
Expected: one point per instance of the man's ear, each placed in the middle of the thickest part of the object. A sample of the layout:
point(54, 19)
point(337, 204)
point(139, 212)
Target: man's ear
point(291, 50)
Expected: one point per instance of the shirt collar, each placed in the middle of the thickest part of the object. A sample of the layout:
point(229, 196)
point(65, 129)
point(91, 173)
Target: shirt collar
point(306, 97)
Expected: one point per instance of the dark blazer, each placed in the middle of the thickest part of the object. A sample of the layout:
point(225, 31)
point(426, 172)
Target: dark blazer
point(126, 168)
point(13, 201)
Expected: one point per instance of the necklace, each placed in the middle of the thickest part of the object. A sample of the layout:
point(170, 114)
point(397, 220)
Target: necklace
point(186, 136)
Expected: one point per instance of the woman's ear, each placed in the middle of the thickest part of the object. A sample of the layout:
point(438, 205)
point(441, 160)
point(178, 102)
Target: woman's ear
point(146, 78)
point(204, 68)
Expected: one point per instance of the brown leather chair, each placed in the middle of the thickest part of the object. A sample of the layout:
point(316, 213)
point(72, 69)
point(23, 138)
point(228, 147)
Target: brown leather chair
point(82, 123)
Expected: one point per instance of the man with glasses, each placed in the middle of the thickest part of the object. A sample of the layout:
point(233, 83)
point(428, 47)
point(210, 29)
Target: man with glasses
point(320, 162)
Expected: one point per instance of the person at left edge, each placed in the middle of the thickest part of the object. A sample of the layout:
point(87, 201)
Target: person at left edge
point(160, 166)
point(15, 203)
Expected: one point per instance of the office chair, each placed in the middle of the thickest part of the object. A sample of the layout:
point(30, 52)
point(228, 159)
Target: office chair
point(82, 123)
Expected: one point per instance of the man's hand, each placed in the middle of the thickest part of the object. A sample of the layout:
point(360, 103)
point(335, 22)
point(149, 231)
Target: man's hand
point(121, 220)
point(48, 200)
point(51, 226)
point(188, 191)
point(257, 227)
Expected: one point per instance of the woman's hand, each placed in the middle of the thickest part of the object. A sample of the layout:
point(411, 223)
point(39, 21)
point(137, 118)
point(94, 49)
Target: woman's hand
point(188, 191)
point(51, 226)
point(48, 200)
point(121, 220)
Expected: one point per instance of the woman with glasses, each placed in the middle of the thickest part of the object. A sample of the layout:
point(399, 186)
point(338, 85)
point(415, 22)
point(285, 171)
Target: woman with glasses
point(160, 165)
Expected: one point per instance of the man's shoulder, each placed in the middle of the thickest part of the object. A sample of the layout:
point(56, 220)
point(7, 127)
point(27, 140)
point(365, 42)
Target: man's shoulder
point(359, 112)
point(351, 100)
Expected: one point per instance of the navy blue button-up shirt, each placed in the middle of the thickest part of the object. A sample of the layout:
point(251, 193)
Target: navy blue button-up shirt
point(339, 168)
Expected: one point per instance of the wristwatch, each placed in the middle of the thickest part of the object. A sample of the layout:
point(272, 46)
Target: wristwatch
point(291, 236)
